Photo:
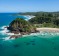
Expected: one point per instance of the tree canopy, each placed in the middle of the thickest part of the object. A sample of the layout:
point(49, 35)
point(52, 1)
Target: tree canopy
point(51, 18)
point(22, 24)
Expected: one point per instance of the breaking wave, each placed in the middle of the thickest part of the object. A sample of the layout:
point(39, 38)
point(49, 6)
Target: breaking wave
point(4, 32)
point(2, 27)
point(6, 38)
point(28, 17)
point(43, 34)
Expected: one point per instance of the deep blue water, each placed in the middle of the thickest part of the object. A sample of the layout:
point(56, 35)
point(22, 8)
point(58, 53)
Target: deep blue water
point(6, 18)
point(38, 45)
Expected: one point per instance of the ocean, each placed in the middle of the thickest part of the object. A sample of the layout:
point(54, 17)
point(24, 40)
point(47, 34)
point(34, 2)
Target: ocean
point(37, 44)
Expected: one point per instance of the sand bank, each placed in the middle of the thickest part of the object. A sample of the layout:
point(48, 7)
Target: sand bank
point(48, 29)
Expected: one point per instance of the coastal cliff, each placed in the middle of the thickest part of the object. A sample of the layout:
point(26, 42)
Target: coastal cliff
point(20, 26)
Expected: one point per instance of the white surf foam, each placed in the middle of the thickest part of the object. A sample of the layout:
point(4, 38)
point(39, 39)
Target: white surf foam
point(28, 17)
point(2, 27)
point(4, 31)
point(7, 38)
point(10, 34)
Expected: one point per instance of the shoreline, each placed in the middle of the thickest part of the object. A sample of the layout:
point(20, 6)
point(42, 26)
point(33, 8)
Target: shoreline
point(40, 31)
point(47, 29)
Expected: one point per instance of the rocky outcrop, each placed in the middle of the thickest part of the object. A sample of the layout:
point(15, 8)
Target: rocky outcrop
point(20, 26)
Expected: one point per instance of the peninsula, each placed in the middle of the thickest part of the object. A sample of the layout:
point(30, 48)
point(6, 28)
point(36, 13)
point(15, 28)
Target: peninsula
point(43, 21)
point(20, 27)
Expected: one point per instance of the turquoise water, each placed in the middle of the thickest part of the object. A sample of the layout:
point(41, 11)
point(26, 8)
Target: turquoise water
point(32, 45)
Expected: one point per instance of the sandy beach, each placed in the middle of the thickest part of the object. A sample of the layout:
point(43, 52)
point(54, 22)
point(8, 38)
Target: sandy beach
point(48, 29)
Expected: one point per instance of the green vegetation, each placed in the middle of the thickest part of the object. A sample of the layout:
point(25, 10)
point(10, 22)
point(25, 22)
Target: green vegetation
point(44, 19)
point(20, 25)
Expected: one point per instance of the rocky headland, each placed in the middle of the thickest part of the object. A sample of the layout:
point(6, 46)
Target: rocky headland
point(20, 27)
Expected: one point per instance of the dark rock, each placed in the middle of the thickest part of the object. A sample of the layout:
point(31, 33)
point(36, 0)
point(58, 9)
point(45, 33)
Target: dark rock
point(14, 36)
point(10, 28)
point(15, 32)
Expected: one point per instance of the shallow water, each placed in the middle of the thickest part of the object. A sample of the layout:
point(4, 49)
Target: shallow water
point(30, 46)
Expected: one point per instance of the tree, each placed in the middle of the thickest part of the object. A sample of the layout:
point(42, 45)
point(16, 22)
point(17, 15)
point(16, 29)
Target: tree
point(22, 24)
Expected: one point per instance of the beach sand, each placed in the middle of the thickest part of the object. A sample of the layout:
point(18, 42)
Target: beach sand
point(48, 29)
